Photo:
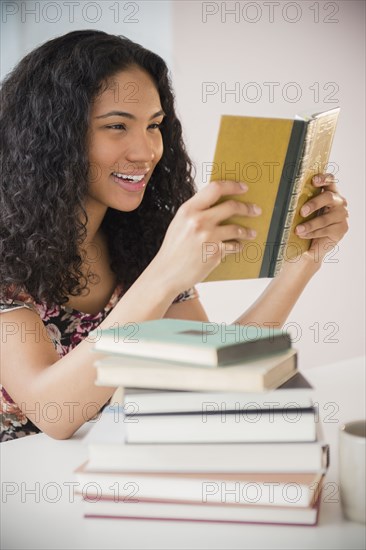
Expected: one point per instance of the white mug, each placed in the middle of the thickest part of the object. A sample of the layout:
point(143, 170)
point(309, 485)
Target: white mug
point(352, 467)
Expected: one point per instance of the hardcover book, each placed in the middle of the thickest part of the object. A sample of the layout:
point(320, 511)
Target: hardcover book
point(259, 489)
point(251, 425)
point(194, 342)
point(190, 511)
point(220, 401)
point(255, 375)
point(277, 158)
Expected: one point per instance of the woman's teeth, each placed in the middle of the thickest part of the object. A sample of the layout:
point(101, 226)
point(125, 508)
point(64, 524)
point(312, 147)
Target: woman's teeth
point(128, 177)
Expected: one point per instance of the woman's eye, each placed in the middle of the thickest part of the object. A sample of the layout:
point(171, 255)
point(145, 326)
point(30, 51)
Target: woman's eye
point(117, 127)
point(153, 126)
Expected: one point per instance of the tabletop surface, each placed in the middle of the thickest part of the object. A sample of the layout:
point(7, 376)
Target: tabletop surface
point(40, 510)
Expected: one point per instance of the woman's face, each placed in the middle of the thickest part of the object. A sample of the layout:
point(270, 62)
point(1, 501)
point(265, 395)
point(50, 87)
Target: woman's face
point(125, 142)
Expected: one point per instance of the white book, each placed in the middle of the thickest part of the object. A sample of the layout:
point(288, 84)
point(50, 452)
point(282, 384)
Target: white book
point(255, 374)
point(222, 513)
point(218, 402)
point(247, 426)
point(260, 489)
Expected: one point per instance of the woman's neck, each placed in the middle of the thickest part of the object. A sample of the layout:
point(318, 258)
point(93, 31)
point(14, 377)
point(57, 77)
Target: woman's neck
point(95, 212)
point(96, 264)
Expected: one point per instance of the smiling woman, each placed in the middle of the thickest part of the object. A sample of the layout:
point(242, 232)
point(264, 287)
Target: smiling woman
point(81, 147)
point(58, 130)
point(125, 141)
point(100, 223)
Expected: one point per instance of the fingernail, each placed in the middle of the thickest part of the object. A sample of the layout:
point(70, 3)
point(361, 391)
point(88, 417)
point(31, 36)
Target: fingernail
point(252, 232)
point(305, 210)
point(300, 228)
point(317, 180)
point(257, 209)
point(244, 186)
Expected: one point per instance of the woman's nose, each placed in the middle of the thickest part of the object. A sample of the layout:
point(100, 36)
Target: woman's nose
point(141, 148)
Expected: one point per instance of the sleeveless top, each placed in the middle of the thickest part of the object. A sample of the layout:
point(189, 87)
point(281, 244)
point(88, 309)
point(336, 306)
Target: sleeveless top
point(66, 327)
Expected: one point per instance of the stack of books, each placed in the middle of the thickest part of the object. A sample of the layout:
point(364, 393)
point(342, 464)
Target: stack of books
point(230, 436)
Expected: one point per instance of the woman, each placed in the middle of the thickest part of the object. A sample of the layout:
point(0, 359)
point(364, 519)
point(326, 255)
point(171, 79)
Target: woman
point(100, 223)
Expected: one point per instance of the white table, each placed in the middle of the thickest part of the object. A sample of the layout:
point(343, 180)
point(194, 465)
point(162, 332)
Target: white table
point(39, 463)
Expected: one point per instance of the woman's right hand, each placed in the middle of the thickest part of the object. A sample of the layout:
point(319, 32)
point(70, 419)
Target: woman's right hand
point(196, 242)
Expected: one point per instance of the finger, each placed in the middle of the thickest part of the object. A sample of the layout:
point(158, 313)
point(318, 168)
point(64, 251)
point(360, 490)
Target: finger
point(327, 199)
point(336, 216)
point(211, 193)
point(230, 238)
point(232, 207)
point(234, 232)
point(334, 231)
point(325, 180)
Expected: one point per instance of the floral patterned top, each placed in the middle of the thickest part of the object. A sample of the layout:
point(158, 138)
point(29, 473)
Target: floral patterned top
point(66, 327)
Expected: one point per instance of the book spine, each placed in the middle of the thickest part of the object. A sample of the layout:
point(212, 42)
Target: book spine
point(287, 189)
point(317, 143)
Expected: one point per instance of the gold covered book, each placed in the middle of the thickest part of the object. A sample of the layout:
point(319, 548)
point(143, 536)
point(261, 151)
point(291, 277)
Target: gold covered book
point(277, 158)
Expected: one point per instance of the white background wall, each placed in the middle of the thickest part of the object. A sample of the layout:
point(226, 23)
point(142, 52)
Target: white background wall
point(318, 46)
point(25, 24)
point(229, 49)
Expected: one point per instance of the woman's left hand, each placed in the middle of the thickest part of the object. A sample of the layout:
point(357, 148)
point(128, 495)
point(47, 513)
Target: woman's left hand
point(331, 224)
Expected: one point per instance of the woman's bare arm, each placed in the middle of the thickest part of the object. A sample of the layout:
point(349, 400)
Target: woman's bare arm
point(59, 395)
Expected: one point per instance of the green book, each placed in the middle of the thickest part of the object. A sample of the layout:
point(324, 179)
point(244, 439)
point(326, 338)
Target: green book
point(193, 342)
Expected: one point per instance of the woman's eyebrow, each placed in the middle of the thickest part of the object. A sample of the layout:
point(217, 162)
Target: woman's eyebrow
point(128, 115)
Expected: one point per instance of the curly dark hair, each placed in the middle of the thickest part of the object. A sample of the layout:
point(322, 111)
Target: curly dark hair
point(44, 120)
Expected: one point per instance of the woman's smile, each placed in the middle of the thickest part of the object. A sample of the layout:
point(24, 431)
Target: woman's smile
point(132, 183)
